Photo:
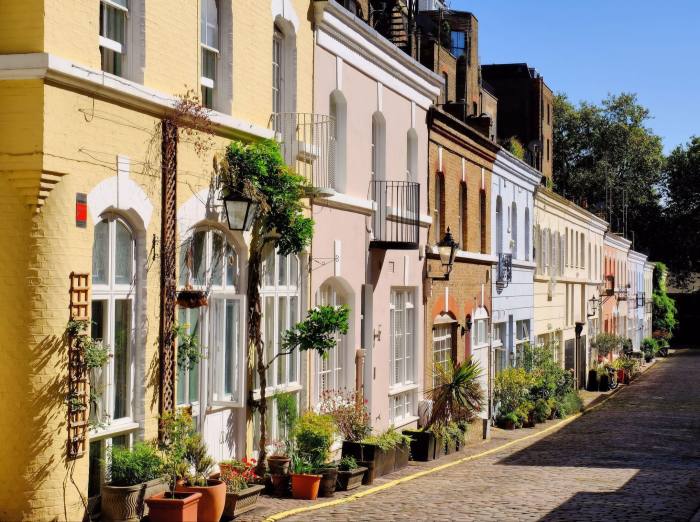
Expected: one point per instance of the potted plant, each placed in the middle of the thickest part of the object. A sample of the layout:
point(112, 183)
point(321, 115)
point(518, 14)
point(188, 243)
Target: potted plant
point(508, 421)
point(172, 505)
point(422, 445)
point(211, 505)
point(134, 475)
point(329, 477)
point(241, 491)
point(542, 411)
point(349, 474)
point(305, 484)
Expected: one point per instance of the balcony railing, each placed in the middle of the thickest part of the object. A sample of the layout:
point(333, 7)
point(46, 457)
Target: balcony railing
point(307, 145)
point(504, 271)
point(396, 220)
point(641, 299)
point(609, 285)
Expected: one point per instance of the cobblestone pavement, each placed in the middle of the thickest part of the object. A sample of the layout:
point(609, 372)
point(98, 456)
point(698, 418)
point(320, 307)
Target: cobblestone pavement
point(636, 457)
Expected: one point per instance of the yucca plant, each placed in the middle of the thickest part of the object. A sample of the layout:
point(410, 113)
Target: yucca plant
point(457, 394)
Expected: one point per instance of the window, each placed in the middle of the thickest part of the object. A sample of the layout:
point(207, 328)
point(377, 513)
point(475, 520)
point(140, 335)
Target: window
point(457, 44)
point(522, 338)
point(330, 374)
point(482, 219)
point(446, 92)
point(514, 229)
point(583, 251)
point(113, 266)
point(210, 263)
point(527, 234)
point(113, 19)
point(209, 42)
point(462, 228)
point(439, 206)
point(339, 113)
point(499, 225)
point(412, 156)
point(378, 146)
point(277, 73)
point(442, 349)
point(481, 326)
point(281, 311)
point(500, 344)
point(402, 355)
point(566, 246)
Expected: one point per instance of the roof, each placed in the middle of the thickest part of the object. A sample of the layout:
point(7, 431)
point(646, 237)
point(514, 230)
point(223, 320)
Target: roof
point(501, 71)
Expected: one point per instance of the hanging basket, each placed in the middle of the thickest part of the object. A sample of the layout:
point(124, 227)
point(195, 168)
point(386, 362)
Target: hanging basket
point(191, 298)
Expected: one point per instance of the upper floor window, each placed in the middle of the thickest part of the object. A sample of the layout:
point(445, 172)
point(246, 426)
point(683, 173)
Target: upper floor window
point(113, 19)
point(482, 219)
point(412, 155)
point(277, 71)
point(439, 206)
point(457, 43)
point(499, 225)
point(446, 96)
point(462, 225)
point(527, 234)
point(514, 229)
point(209, 35)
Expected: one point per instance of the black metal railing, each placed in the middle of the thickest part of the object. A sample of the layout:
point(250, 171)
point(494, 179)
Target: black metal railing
point(504, 270)
point(641, 299)
point(610, 285)
point(622, 293)
point(396, 219)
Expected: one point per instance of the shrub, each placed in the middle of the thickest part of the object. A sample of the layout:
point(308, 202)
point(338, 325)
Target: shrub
point(349, 412)
point(571, 403)
point(650, 347)
point(511, 389)
point(129, 467)
point(388, 439)
point(607, 343)
point(457, 394)
point(314, 434)
point(347, 463)
point(542, 410)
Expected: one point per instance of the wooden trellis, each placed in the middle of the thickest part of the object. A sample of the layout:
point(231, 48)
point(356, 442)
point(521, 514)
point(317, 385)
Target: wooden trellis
point(78, 381)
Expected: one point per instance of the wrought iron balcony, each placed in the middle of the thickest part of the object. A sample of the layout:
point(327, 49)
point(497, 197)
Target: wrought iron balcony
point(622, 293)
point(609, 285)
point(641, 299)
point(504, 271)
point(307, 145)
point(396, 220)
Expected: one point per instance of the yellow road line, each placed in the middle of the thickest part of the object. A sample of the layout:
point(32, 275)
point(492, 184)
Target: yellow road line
point(396, 482)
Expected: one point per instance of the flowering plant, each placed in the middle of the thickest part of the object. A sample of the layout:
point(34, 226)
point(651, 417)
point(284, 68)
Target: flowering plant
point(237, 474)
point(349, 411)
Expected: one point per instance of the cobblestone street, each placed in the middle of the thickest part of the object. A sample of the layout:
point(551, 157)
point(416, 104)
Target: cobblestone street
point(636, 457)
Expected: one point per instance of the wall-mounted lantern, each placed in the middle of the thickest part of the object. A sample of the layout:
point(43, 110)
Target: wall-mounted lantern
point(447, 249)
point(240, 211)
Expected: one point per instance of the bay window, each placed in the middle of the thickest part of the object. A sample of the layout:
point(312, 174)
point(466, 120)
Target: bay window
point(113, 19)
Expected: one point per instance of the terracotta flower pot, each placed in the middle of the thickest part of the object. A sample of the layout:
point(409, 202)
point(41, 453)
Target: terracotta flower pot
point(305, 487)
point(180, 507)
point(211, 505)
point(127, 503)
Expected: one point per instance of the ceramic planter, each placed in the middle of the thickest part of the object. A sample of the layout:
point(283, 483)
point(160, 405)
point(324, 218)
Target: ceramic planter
point(180, 507)
point(211, 505)
point(278, 465)
point(305, 487)
point(350, 479)
point(242, 501)
point(422, 445)
point(126, 503)
point(402, 454)
point(328, 481)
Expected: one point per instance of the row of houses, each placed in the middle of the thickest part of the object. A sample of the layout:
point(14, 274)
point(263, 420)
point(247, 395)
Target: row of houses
point(385, 108)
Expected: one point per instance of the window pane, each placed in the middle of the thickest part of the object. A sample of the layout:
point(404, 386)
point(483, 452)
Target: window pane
point(100, 253)
point(270, 268)
point(122, 333)
point(123, 265)
point(98, 331)
point(293, 270)
point(293, 319)
point(231, 347)
point(281, 328)
point(217, 252)
point(231, 266)
point(197, 262)
point(112, 23)
point(269, 318)
point(193, 377)
point(282, 276)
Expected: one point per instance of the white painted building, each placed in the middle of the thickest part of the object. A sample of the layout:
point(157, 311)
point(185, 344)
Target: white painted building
point(636, 262)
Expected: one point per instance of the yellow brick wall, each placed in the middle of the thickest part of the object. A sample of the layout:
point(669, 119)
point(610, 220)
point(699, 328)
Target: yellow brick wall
point(21, 27)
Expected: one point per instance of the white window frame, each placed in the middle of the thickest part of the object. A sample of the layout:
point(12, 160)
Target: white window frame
point(114, 45)
point(336, 361)
point(441, 347)
point(522, 337)
point(111, 292)
point(402, 391)
point(209, 47)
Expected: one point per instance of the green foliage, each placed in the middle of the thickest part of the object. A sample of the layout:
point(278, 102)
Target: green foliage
point(301, 465)
point(457, 395)
point(347, 463)
point(610, 144)
point(314, 434)
point(514, 146)
point(650, 347)
point(664, 312)
point(511, 389)
point(287, 413)
point(318, 331)
point(258, 171)
point(349, 412)
point(681, 189)
point(571, 403)
point(542, 410)
point(129, 467)
point(77, 327)
point(388, 439)
point(199, 460)
point(607, 343)
point(178, 428)
point(189, 353)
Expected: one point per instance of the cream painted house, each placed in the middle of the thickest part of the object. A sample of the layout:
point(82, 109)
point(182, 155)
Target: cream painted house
point(569, 257)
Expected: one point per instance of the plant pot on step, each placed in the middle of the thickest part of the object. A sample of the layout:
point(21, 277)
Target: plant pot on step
point(329, 477)
point(178, 507)
point(351, 479)
point(592, 382)
point(127, 503)
point(439, 447)
point(242, 501)
point(604, 383)
point(278, 465)
point(305, 487)
point(211, 505)
point(386, 458)
point(422, 445)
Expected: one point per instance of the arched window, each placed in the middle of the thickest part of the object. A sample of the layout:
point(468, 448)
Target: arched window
point(339, 114)
point(527, 234)
point(412, 155)
point(463, 212)
point(499, 225)
point(209, 43)
point(330, 371)
point(210, 263)
point(113, 281)
point(378, 146)
point(439, 206)
point(514, 229)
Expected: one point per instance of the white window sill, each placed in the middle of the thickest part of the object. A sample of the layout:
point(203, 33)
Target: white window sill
point(113, 429)
point(400, 423)
point(403, 388)
point(481, 346)
point(272, 390)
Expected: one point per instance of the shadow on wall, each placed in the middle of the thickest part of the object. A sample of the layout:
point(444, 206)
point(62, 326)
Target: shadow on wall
point(652, 428)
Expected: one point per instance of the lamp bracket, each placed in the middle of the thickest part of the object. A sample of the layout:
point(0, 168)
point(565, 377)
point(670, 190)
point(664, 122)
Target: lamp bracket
point(318, 262)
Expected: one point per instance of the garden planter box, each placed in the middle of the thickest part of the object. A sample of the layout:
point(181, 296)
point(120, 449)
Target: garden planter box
point(603, 383)
point(383, 460)
point(369, 475)
point(329, 476)
point(127, 503)
point(182, 507)
point(242, 501)
point(401, 456)
point(439, 447)
point(211, 505)
point(352, 479)
point(592, 383)
point(422, 445)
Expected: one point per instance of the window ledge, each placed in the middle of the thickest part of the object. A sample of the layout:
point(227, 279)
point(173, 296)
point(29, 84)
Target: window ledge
point(272, 390)
point(115, 428)
point(405, 422)
point(403, 388)
point(480, 346)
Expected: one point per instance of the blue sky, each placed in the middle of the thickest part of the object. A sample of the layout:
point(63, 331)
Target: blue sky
point(587, 49)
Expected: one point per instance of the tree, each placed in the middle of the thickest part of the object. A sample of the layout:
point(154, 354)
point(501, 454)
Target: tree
point(682, 193)
point(609, 146)
point(664, 311)
point(258, 172)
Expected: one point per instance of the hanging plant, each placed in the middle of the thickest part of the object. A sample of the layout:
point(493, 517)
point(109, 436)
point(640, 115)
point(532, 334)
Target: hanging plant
point(95, 354)
point(190, 298)
point(189, 353)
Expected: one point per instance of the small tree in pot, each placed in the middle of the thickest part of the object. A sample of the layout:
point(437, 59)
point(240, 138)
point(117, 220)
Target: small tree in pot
point(313, 436)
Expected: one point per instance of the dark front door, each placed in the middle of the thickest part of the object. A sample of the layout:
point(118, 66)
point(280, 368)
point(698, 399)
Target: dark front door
point(581, 363)
point(570, 354)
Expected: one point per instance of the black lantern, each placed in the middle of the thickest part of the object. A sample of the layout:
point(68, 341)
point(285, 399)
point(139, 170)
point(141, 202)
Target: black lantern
point(593, 305)
point(447, 248)
point(240, 211)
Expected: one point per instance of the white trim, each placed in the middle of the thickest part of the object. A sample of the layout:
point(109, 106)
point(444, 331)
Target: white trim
point(402, 388)
point(285, 9)
point(348, 203)
point(113, 429)
point(115, 5)
point(33, 66)
point(110, 44)
point(206, 82)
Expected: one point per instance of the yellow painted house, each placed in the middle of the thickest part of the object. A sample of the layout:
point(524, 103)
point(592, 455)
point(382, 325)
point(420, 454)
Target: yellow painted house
point(83, 89)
